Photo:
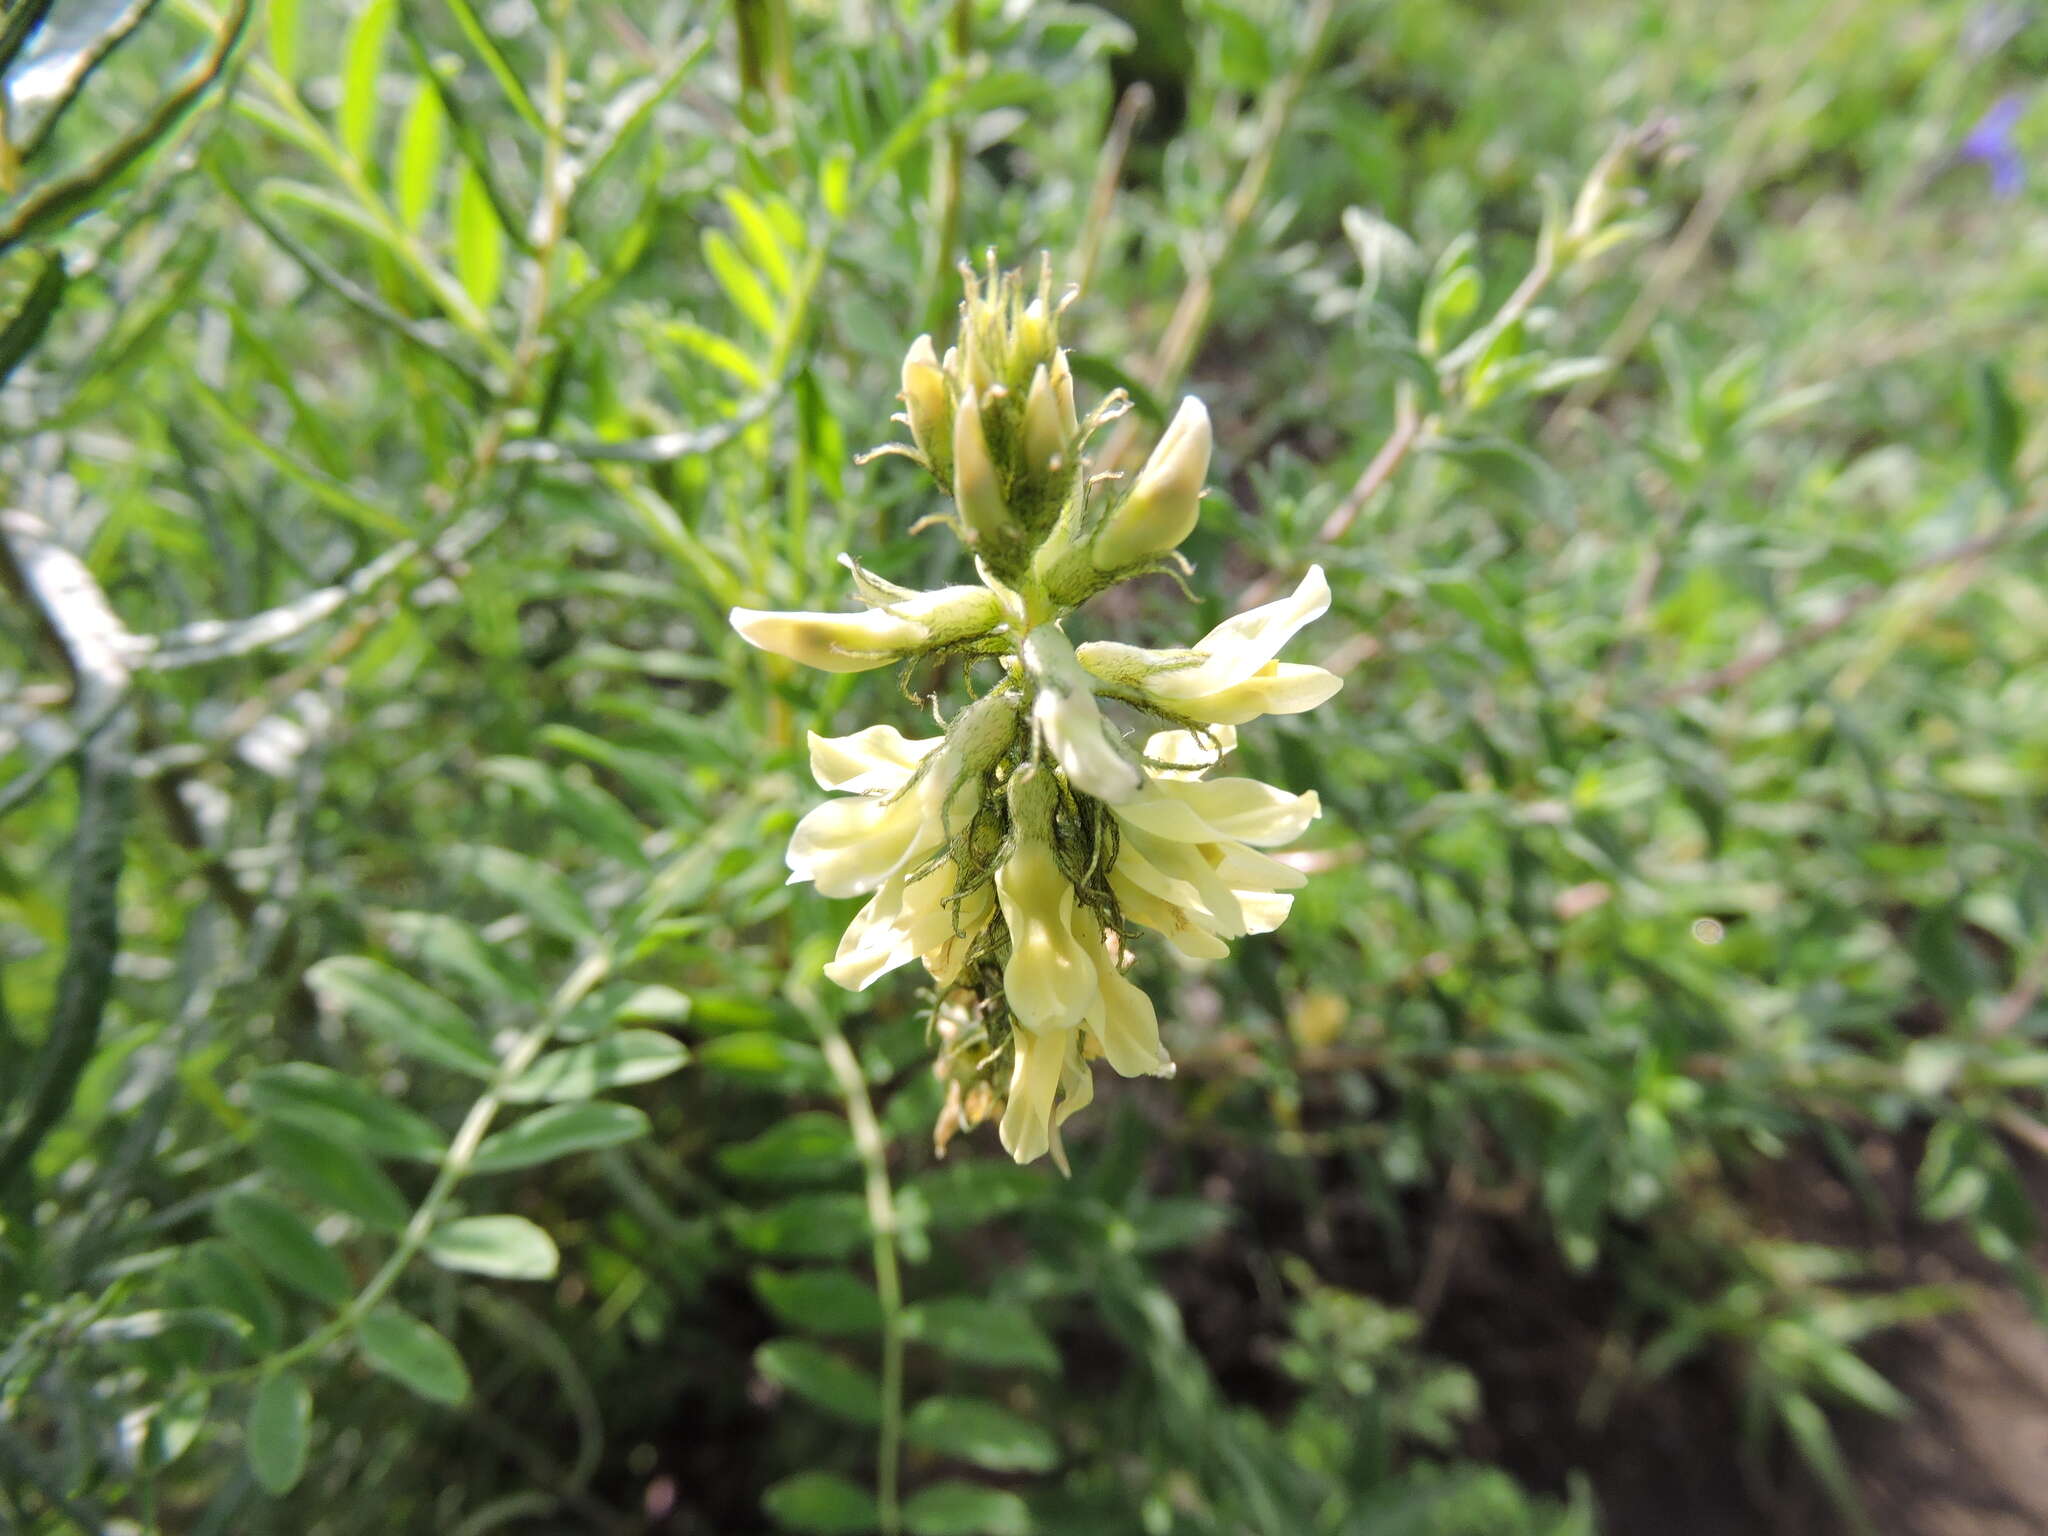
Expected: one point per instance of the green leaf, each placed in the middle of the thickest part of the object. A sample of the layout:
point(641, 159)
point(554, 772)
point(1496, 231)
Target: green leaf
point(362, 64)
point(216, 1274)
point(32, 317)
point(604, 822)
point(768, 1060)
point(1176, 1223)
point(746, 290)
point(981, 1333)
point(808, 1227)
point(283, 36)
point(537, 889)
point(1998, 428)
point(971, 1429)
point(1105, 373)
point(456, 949)
point(333, 1173)
point(558, 1131)
point(505, 1247)
point(821, 1504)
point(401, 1012)
point(323, 488)
point(416, 175)
point(272, 1234)
point(726, 356)
point(962, 1509)
point(479, 240)
point(411, 1353)
point(824, 1301)
point(336, 1106)
point(279, 1428)
point(494, 59)
point(821, 1378)
point(1512, 468)
point(757, 234)
point(961, 1193)
point(583, 1071)
point(1817, 1445)
point(654, 1004)
point(810, 1145)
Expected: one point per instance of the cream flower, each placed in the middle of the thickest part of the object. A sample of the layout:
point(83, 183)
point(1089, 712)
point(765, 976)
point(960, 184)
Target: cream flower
point(1067, 716)
point(1048, 979)
point(912, 918)
point(1230, 675)
point(1015, 866)
point(1121, 1020)
point(908, 803)
point(1187, 866)
point(1049, 1081)
point(860, 642)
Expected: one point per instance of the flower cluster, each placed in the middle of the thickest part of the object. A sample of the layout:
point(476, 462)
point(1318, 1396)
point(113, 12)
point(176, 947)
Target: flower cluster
point(1017, 854)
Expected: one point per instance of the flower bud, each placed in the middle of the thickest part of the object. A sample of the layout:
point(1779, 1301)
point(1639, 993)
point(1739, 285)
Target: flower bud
point(1163, 504)
point(976, 741)
point(1033, 336)
point(860, 642)
point(1045, 434)
point(975, 487)
point(925, 402)
point(1063, 394)
point(1085, 745)
point(981, 733)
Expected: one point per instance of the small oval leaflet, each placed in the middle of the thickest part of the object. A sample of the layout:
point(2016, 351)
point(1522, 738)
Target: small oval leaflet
point(973, 1430)
point(821, 1504)
point(504, 1247)
point(411, 1353)
point(962, 1509)
point(279, 1428)
point(407, 1016)
point(556, 1132)
point(821, 1378)
point(583, 1071)
point(273, 1234)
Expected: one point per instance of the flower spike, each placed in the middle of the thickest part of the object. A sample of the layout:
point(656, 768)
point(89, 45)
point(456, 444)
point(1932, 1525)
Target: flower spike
point(1021, 855)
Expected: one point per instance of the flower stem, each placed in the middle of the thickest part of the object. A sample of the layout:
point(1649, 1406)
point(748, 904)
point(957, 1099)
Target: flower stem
point(873, 1149)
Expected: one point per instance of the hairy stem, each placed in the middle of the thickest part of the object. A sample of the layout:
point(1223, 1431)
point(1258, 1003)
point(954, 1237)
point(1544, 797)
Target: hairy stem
point(873, 1149)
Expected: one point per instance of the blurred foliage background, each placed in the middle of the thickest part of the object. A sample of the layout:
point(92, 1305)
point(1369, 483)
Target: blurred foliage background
point(420, 1108)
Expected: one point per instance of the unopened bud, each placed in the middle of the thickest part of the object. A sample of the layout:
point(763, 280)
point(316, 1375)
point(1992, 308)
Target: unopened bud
point(859, 642)
point(1063, 393)
point(1034, 332)
point(975, 487)
point(975, 742)
point(1045, 437)
point(925, 403)
point(1166, 499)
point(982, 733)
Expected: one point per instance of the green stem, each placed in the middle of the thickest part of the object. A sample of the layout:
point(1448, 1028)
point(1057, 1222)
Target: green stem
point(1189, 322)
point(947, 176)
point(456, 1163)
point(596, 963)
point(873, 1149)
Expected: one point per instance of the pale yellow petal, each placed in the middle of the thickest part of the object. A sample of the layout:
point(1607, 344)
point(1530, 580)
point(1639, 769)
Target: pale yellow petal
point(878, 759)
point(1278, 688)
point(851, 845)
point(1041, 1061)
point(1047, 979)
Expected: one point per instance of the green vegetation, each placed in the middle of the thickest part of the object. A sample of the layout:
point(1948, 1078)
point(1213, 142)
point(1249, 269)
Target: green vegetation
point(422, 1105)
